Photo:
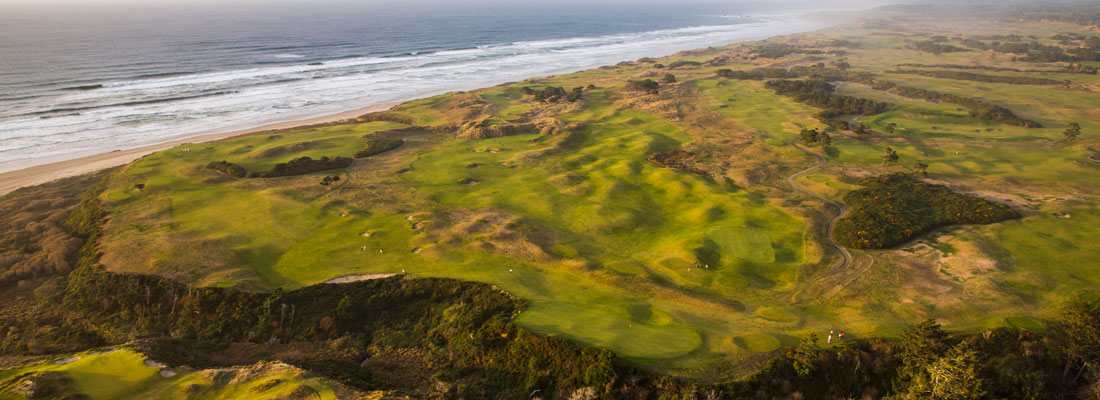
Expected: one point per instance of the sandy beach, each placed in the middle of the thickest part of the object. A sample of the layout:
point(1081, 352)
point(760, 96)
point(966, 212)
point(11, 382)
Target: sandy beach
point(39, 174)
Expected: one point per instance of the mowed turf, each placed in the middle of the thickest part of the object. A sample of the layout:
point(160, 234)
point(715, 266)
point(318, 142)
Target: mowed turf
point(603, 245)
point(124, 374)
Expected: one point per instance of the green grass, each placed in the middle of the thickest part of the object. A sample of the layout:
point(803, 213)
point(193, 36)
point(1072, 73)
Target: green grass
point(123, 373)
point(601, 244)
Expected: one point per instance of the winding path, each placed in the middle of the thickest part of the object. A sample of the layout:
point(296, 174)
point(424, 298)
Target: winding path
point(840, 207)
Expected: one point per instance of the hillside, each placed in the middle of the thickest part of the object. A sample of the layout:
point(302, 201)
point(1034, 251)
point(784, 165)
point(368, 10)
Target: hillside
point(676, 223)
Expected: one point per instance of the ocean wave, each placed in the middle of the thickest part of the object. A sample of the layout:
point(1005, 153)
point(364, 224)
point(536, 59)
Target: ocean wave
point(160, 107)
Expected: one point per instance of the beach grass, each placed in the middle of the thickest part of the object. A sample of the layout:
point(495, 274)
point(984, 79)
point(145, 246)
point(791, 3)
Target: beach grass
point(602, 245)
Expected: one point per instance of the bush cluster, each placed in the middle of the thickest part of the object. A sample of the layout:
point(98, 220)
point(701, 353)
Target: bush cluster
point(978, 108)
point(818, 93)
point(228, 169)
point(554, 94)
point(937, 48)
point(970, 76)
point(895, 208)
point(757, 74)
point(648, 86)
point(378, 146)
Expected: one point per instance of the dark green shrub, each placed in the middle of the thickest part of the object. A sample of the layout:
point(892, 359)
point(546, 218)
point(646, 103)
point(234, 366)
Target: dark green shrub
point(228, 168)
point(378, 146)
point(895, 208)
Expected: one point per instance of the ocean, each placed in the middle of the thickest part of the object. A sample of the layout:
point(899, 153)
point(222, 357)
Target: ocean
point(75, 83)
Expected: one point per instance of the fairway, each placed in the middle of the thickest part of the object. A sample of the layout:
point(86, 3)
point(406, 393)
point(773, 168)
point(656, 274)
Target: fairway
point(684, 267)
point(126, 374)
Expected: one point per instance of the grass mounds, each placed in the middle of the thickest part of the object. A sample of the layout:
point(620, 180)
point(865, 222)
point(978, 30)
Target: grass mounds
point(937, 48)
point(285, 149)
point(297, 166)
point(818, 93)
point(302, 166)
point(37, 238)
point(554, 94)
point(126, 373)
point(679, 159)
point(378, 146)
point(978, 108)
point(894, 208)
point(228, 168)
point(757, 74)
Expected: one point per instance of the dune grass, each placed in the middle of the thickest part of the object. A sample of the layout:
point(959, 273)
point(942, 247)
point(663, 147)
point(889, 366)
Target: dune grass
point(602, 245)
point(124, 374)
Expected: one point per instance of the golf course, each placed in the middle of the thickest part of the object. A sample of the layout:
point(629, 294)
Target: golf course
point(669, 210)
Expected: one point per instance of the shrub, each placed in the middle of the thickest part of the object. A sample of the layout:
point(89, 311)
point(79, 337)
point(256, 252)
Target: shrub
point(978, 108)
point(895, 208)
point(970, 76)
point(228, 168)
point(303, 165)
point(378, 146)
point(647, 85)
point(763, 73)
point(678, 64)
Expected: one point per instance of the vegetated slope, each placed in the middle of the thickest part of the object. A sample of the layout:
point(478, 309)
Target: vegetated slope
point(437, 338)
point(297, 166)
point(895, 208)
point(603, 245)
point(123, 373)
point(35, 239)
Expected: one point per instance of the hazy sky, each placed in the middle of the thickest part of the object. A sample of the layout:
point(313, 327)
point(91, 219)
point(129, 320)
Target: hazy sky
point(178, 3)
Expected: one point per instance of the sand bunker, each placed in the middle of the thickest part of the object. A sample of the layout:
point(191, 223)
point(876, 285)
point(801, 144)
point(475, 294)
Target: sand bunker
point(66, 360)
point(167, 374)
point(357, 278)
point(468, 182)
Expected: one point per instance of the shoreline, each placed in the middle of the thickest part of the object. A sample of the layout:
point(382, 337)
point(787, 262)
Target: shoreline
point(49, 172)
point(64, 168)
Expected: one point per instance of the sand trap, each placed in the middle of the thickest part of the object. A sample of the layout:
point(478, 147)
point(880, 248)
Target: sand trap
point(357, 278)
point(151, 363)
point(367, 234)
point(416, 226)
point(468, 182)
point(167, 374)
point(104, 351)
point(66, 360)
point(410, 218)
point(416, 250)
point(404, 171)
point(474, 166)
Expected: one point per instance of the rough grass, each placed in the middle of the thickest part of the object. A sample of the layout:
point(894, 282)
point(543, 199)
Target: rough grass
point(601, 244)
point(123, 373)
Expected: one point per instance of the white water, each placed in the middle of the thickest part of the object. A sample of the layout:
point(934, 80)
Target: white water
point(100, 120)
